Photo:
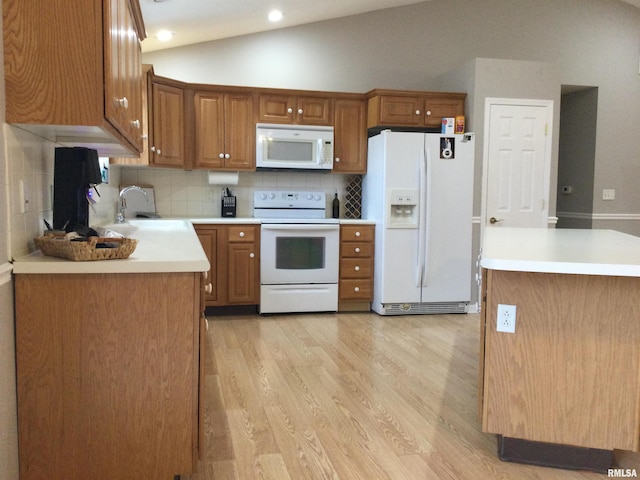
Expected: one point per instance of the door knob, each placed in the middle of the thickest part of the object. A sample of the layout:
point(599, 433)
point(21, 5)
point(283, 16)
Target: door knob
point(495, 220)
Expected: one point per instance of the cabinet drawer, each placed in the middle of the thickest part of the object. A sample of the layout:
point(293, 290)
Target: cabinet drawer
point(356, 289)
point(242, 233)
point(356, 268)
point(356, 250)
point(357, 233)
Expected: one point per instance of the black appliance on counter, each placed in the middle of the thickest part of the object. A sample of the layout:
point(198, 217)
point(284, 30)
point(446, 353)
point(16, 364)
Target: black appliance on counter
point(76, 170)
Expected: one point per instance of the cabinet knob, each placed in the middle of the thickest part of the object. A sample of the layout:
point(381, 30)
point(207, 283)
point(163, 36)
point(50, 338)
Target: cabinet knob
point(417, 112)
point(357, 289)
point(123, 102)
point(221, 155)
point(205, 275)
point(357, 249)
point(241, 234)
point(135, 124)
point(289, 110)
point(144, 136)
point(428, 113)
point(357, 234)
point(300, 111)
point(357, 268)
point(252, 255)
point(337, 160)
point(159, 152)
point(226, 155)
point(153, 148)
point(208, 288)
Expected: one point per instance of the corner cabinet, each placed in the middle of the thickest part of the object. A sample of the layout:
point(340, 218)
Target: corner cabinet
point(224, 131)
point(76, 86)
point(109, 375)
point(355, 289)
point(166, 124)
point(397, 108)
point(234, 255)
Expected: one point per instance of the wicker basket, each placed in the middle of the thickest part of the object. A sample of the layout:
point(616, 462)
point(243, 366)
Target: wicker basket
point(85, 251)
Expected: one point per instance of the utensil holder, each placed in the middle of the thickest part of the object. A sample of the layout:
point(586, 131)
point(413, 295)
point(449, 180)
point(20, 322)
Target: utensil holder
point(228, 207)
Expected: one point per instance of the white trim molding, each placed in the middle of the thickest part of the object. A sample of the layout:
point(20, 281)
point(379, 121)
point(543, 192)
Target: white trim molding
point(601, 216)
point(5, 273)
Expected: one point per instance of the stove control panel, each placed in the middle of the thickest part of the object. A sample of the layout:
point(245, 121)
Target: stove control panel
point(288, 199)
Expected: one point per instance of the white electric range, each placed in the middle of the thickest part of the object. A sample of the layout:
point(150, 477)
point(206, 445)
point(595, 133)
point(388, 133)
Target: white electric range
point(299, 252)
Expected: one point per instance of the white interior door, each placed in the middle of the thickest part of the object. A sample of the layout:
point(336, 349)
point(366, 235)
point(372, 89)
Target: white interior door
point(517, 162)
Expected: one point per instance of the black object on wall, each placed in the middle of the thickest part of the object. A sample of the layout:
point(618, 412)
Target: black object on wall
point(76, 169)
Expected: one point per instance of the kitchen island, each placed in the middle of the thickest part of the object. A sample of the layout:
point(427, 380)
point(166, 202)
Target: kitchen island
point(564, 389)
point(109, 359)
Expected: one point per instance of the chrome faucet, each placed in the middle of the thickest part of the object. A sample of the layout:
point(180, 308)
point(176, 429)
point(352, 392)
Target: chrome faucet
point(122, 202)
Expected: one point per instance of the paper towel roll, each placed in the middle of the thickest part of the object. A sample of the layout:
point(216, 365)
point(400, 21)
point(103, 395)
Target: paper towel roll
point(223, 178)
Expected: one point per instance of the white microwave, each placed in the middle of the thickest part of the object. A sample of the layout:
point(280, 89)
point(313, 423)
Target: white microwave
point(299, 147)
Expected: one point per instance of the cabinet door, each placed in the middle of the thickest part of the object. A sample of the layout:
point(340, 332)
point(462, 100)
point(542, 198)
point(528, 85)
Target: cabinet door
point(443, 105)
point(209, 236)
point(123, 71)
point(243, 286)
point(168, 126)
point(276, 108)
point(210, 129)
point(313, 111)
point(401, 111)
point(350, 143)
point(239, 132)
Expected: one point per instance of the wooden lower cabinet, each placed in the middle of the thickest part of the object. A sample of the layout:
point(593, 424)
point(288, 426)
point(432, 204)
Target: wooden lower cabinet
point(570, 374)
point(234, 255)
point(108, 375)
point(355, 289)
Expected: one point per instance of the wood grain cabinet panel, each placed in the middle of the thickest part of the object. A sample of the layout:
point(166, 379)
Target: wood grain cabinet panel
point(234, 254)
point(350, 141)
point(355, 288)
point(108, 375)
point(570, 374)
point(295, 108)
point(79, 85)
point(224, 131)
point(420, 110)
point(167, 125)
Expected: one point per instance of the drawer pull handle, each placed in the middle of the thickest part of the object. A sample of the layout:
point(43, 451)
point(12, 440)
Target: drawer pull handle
point(357, 234)
point(241, 234)
point(357, 268)
point(357, 289)
point(357, 249)
point(208, 288)
point(252, 255)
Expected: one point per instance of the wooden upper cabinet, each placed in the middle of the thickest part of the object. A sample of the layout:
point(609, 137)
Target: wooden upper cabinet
point(390, 108)
point(350, 136)
point(167, 125)
point(61, 82)
point(123, 71)
point(296, 109)
point(224, 130)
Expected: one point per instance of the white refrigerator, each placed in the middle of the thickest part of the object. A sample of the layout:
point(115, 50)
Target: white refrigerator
point(419, 190)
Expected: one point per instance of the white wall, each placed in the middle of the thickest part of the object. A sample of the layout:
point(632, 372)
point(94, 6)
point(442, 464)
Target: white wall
point(589, 42)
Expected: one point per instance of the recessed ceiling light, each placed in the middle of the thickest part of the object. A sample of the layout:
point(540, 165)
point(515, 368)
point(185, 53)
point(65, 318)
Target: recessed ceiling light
point(165, 35)
point(275, 15)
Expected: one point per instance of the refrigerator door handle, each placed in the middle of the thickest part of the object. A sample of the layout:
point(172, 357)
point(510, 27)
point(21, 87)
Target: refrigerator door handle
point(427, 218)
point(422, 230)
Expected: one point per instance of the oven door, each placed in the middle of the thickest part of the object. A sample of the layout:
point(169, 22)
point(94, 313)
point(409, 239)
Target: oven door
point(299, 254)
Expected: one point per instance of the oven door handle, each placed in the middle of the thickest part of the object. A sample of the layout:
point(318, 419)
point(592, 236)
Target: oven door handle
point(298, 226)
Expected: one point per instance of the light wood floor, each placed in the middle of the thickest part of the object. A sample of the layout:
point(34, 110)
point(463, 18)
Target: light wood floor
point(351, 396)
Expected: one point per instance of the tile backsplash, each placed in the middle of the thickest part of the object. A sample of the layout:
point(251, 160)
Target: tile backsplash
point(180, 193)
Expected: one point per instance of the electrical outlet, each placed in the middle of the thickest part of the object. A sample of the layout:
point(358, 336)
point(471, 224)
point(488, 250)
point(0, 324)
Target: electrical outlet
point(506, 321)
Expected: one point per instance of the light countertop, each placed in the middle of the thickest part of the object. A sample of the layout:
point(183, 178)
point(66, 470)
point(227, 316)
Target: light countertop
point(163, 246)
point(569, 251)
point(251, 220)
